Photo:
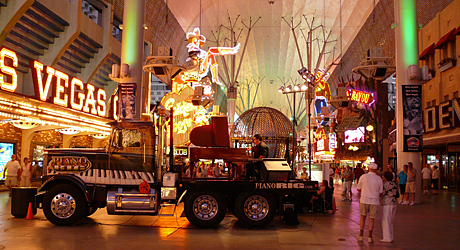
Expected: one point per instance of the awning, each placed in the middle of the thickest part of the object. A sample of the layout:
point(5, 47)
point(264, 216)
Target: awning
point(450, 36)
point(428, 51)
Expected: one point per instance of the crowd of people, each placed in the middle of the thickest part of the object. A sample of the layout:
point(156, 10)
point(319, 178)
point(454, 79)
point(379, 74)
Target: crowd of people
point(16, 174)
point(382, 188)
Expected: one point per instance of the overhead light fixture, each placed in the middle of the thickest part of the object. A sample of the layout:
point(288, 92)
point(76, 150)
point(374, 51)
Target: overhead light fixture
point(355, 148)
point(297, 87)
point(24, 124)
point(281, 89)
point(304, 87)
point(100, 136)
point(69, 131)
point(288, 89)
point(350, 147)
point(369, 127)
point(303, 72)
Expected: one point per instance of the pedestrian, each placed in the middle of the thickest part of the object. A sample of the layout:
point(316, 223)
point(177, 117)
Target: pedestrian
point(216, 170)
point(402, 180)
point(426, 178)
point(410, 184)
point(304, 174)
point(26, 173)
point(260, 151)
point(12, 178)
point(391, 169)
point(390, 190)
point(336, 175)
point(435, 180)
point(370, 186)
point(348, 177)
point(359, 171)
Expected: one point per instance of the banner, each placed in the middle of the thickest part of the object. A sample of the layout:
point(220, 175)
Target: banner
point(127, 93)
point(412, 118)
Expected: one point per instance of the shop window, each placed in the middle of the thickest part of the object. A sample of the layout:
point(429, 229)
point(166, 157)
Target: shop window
point(455, 94)
point(428, 104)
point(446, 98)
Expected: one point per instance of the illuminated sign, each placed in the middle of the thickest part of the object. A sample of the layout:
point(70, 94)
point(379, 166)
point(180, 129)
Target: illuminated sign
point(322, 87)
point(361, 97)
point(332, 141)
point(66, 91)
point(353, 136)
point(444, 116)
point(186, 115)
point(8, 76)
point(320, 145)
point(69, 164)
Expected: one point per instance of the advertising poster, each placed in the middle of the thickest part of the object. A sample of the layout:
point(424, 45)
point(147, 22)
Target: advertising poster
point(6, 150)
point(412, 118)
point(127, 97)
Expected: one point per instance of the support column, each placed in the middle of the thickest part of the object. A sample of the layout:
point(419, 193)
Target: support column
point(406, 54)
point(132, 48)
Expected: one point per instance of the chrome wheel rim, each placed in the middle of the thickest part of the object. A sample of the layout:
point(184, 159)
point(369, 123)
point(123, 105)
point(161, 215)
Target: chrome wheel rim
point(256, 208)
point(205, 207)
point(63, 205)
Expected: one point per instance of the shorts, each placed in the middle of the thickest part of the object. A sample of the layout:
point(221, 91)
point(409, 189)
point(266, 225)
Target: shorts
point(11, 181)
point(402, 188)
point(426, 182)
point(435, 184)
point(347, 186)
point(410, 187)
point(373, 210)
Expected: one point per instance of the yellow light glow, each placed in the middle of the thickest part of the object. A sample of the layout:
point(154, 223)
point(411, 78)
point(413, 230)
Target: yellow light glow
point(8, 70)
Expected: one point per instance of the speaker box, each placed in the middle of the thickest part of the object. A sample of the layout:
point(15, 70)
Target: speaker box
point(275, 169)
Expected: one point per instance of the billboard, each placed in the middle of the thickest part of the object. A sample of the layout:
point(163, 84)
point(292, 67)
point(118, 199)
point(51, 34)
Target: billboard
point(412, 118)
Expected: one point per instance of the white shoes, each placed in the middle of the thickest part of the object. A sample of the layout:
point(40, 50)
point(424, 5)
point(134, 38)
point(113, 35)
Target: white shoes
point(406, 203)
point(386, 241)
point(411, 204)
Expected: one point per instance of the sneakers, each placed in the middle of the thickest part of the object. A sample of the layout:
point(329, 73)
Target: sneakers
point(406, 203)
point(360, 238)
point(370, 240)
point(411, 204)
point(386, 241)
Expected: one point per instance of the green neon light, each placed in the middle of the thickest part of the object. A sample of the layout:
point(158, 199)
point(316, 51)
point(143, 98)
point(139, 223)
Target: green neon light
point(409, 32)
point(130, 31)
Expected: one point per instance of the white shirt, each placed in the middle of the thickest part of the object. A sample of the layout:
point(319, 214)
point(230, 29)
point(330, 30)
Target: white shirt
point(426, 173)
point(25, 170)
point(13, 167)
point(435, 174)
point(371, 186)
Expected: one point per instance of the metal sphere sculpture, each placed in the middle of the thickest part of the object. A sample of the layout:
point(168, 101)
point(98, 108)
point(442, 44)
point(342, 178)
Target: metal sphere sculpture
point(274, 127)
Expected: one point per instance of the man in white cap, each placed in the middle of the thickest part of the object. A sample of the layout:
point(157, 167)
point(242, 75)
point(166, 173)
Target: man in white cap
point(370, 186)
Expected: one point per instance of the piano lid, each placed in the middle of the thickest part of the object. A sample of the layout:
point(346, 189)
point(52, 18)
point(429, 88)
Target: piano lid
point(212, 135)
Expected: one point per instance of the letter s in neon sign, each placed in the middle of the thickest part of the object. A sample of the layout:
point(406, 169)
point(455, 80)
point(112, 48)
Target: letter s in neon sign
point(8, 70)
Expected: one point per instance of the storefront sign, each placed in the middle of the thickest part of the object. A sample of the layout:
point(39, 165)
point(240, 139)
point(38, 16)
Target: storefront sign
point(412, 118)
point(66, 91)
point(69, 164)
point(361, 97)
point(8, 76)
point(453, 148)
point(444, 116)
point(332, 141)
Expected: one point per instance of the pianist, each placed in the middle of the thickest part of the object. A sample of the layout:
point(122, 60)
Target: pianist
point(260, 150)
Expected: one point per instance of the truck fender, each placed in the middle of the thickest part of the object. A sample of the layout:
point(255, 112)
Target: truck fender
point(57, 180)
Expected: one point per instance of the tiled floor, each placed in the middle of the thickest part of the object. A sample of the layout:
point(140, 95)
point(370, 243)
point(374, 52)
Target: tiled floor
point(432, 224)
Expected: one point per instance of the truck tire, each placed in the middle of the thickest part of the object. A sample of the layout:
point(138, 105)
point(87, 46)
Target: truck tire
point(255, 209)
point(205, 209)
point(64, 205)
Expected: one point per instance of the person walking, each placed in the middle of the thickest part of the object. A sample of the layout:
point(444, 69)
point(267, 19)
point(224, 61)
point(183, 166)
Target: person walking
point(359, 171)
point(402, 180)
point(390, 190)
point(435, 180)
point(426, 179)
point(348, 177)
point(370, 186)
point(12, 178)
point(410, 185)
point(26, 173)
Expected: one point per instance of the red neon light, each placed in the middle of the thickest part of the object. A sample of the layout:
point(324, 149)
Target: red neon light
point(361, 97)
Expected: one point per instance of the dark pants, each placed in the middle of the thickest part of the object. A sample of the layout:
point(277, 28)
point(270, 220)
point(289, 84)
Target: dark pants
point(253, 170)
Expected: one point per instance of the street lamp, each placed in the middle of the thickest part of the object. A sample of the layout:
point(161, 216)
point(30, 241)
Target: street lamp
point(299, 88)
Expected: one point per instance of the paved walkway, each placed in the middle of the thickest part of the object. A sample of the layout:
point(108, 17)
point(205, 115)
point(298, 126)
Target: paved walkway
point(432, 224)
